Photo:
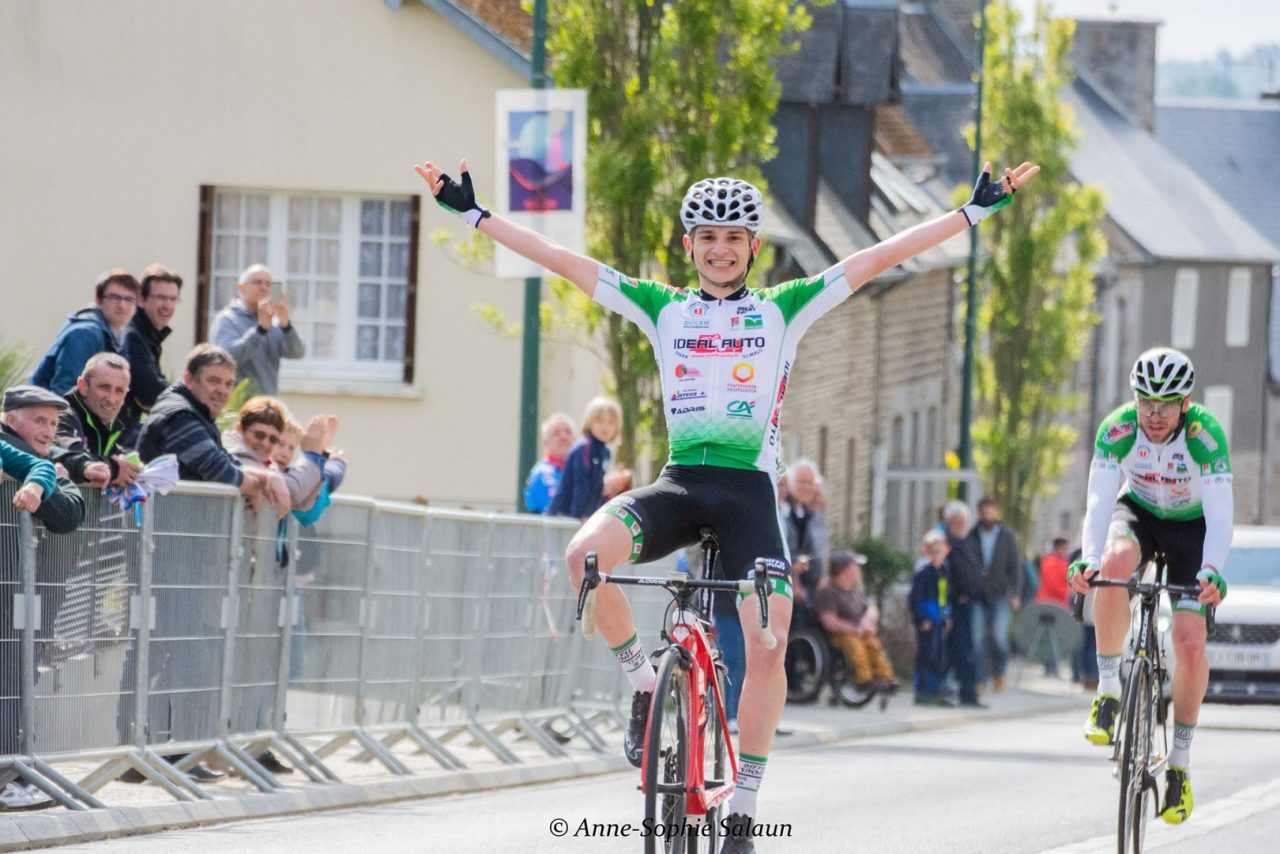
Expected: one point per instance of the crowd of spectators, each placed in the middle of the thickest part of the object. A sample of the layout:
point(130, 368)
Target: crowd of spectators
point(99, 408)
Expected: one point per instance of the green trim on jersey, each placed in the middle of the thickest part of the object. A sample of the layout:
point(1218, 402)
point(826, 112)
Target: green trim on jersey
point(1205, 441)
point(650, 296)
point(792, 296)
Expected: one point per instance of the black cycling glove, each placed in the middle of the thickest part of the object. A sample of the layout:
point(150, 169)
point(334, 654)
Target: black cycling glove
point(461, 199)
point(987, 198)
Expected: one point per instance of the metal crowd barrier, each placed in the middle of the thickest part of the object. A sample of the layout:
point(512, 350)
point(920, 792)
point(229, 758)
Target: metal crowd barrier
point(189, 627)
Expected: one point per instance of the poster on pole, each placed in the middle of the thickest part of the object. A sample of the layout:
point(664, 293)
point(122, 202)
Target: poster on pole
point(541, 169)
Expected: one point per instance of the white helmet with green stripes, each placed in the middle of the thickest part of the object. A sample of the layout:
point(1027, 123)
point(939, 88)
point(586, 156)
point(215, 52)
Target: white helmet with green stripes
point(1162, 373)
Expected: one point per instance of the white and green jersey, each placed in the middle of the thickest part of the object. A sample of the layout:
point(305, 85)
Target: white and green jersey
point(1188, 476)
point(724, 362)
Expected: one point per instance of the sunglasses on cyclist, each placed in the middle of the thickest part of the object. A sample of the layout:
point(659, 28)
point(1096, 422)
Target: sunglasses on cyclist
point(1162, 408)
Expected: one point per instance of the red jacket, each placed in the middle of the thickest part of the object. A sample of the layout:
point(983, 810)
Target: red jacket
point(1053, 581)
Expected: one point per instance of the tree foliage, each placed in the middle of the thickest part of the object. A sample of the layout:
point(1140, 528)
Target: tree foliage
point(886, 566)
point(678, 90)
point(1037, 310)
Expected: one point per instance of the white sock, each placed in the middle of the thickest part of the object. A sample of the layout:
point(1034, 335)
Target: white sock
point(1180, 755)
point(1109, 675)
point(750, 773)
point(636, 665)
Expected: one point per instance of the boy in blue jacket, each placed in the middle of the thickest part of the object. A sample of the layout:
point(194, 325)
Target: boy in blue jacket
point(932, 616)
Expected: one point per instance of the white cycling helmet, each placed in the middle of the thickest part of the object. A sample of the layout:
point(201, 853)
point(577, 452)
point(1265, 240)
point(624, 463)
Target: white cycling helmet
point(1162, 372)
point(722, 201)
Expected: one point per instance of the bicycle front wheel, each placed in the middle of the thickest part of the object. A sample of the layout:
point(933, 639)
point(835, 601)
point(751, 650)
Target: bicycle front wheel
point(666, 758)
point(703, 838)
point(1135, 758)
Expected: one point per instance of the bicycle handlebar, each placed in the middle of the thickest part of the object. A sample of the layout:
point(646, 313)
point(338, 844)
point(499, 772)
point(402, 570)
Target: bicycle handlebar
point(593, 578)
point(1134, 586)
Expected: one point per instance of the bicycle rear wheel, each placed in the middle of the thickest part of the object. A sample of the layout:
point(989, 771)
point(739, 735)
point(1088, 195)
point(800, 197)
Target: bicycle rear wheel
point(1135, 757)
point(666, 758)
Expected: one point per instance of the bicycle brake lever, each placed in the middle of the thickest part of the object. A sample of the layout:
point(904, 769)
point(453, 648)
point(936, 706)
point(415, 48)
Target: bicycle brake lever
point(587, 596)
point(761, 579)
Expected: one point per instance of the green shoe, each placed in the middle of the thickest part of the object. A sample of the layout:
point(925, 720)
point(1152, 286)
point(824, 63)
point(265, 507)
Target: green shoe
point(1177, 795)
point(1100, 728)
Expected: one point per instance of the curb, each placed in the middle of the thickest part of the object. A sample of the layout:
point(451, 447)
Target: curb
point(41, 831)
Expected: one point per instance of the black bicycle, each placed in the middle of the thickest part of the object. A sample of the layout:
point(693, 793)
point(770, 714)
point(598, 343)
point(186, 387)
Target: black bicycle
point(1142, 732)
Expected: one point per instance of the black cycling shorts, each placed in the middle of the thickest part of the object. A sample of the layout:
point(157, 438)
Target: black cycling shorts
point(739, 505)
point(1182, 543)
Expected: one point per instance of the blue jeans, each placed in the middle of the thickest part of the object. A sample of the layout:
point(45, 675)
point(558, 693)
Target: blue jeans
point(991, 619)
point(734, 648)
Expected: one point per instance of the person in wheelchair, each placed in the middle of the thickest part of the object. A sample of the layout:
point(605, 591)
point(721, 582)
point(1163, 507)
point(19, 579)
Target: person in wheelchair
point(850, 620)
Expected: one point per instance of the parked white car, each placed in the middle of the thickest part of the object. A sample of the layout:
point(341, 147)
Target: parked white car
point(1244, 646)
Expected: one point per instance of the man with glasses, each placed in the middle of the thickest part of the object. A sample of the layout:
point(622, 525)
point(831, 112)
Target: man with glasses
point(144, 338)
point(93, 329)
point(1171, 458)
point(257, 332)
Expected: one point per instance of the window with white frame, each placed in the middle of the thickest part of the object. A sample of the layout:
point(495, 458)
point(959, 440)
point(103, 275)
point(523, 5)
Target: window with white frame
point(344, 261)
point(1186, 283)
point(1238, 285)
point(1217, 399)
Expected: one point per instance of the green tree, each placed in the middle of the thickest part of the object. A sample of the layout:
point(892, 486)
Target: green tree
point(886, 566)
point(677, 91)
point(1037, 312)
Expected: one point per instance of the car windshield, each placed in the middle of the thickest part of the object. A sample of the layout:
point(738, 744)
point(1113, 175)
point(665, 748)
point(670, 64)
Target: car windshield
point(1255, 567)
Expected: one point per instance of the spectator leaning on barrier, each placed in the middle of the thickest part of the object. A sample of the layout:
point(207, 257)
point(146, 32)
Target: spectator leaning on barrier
point(91, 428)
point(544, 477)
point(257, 436)
point(38, 480)
point(144, 339)
point(92, 329)
point(307, 511)
point(29, 423)
point(256, 331)
point(182, 423)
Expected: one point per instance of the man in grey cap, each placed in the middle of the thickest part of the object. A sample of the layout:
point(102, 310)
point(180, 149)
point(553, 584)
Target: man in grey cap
point(27, 423)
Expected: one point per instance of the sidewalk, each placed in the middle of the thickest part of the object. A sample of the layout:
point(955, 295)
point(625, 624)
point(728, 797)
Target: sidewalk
point(138, 809)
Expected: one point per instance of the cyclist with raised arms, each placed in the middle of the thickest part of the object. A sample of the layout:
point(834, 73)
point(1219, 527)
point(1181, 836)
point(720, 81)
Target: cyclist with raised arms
point(724, 353)
point(1170, 455)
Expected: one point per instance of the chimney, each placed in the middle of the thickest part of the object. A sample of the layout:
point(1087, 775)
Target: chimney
point(1119, 55)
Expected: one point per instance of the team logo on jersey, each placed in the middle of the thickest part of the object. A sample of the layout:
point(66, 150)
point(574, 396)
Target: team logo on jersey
point(688, 394)
point(777, 408)
point(697, 309)
point(1144, 452)
point(753, 321)
point(1118, 431)
point(684, 373)
point(1193, 429)
point(743, 372)
point(735, 322)
point(1204, 437)
point(1221, 466)
point(740, 408)
point(715, 345)
point(685, 410)
point(628, 282)
point(746, 309)
point(705, 323)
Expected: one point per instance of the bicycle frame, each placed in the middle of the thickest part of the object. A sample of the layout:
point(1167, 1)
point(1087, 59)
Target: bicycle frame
point(687, 638)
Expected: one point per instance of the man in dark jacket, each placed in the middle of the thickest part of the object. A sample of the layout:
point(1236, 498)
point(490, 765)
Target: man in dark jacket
point(144, 339)
point(183, 423)
point(91, 429)
point(27, 425)
point(92, 329)
point(1001, 591)
point(965, 564)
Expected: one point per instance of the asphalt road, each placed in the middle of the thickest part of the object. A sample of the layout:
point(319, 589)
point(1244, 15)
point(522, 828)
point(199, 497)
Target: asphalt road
point(1023, 785)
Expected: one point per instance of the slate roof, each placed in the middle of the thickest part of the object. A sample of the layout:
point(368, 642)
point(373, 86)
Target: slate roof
point(1235, 147)
point(1153, 196)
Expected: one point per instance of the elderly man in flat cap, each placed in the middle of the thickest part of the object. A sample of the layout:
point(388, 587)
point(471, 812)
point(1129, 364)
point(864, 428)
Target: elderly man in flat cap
point(27, 425)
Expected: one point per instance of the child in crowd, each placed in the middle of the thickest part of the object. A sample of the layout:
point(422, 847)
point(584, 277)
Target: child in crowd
point(581, 490)
point(932, 616)
point(333, 462)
